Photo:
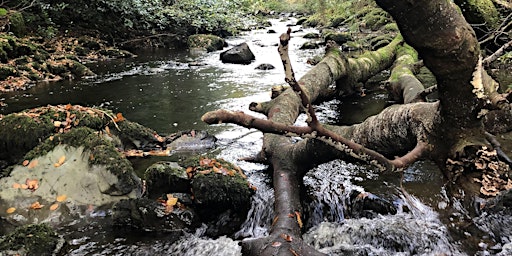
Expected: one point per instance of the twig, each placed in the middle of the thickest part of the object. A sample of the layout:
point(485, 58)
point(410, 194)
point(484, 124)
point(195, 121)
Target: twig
point(496, 54)
point(110, 116)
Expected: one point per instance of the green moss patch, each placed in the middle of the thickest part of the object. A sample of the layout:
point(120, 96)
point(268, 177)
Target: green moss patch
point(32, 239)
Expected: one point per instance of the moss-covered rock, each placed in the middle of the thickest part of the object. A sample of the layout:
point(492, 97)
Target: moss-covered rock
point(218, 186)
point(33, 239)
point(166, 177)
point(19, 133)
point(480, 12)
point(209, 42)
point(338, 37)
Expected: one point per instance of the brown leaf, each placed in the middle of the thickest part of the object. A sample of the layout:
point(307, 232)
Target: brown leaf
point(36, 206)
point(54, 206)
point(299, 220)
point(33, 163)
point(32, 184)
point(171, 200)
point(286, 237)
point(16, 185)
point(61, 161)
point(68, 107)
point(119, 118)
point(10, 210)
point(276, 244)
point(61, 198)
point(25, 163)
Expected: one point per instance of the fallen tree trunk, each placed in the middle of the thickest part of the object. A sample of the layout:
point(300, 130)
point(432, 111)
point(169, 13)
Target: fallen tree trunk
point(449, 132)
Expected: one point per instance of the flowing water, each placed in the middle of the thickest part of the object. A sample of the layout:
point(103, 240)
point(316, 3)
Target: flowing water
point(160, 90)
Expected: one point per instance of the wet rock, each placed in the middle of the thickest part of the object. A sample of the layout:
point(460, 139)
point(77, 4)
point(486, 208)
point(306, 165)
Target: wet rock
point(191, 140)
point(368, 205)
point(315, 60)
point(338, 37)
point(384, 235)
point(311, 35)
point(240, 54)
point(265, 66)
point(309, 45)
point(204, 41)
point(496, 217)
point(151, 216)
point(166, 177)
point(35, 239)
point(221, 192)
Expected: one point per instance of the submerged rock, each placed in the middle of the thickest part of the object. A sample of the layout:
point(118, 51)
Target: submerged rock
point(192, 140)
point(265, 66)
point(240, 54)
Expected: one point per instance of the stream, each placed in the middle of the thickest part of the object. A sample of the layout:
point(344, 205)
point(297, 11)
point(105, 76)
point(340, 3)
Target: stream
point(160, 90)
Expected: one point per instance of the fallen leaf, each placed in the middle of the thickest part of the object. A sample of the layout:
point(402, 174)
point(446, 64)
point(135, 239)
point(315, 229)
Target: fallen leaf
point(171, 200)
point(33, 163)
point(36, 206)
point(57, 123)
point(119, 117)
point(286, 237)
point(68, 107)
point(299, 220)
point(205, 171)
point(276, 244)
point(25, 163)
point(10, 210)
point(54, 206)
point(61, 161)
point(32, 184)
point(16, 185)
point(24, 186)
point(61, 198)
point(51, 138)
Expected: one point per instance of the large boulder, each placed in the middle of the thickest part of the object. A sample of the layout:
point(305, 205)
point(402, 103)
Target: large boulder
point(67, 171)
point(240, 54)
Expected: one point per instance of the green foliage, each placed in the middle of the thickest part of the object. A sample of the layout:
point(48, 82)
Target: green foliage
point(208, 16)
